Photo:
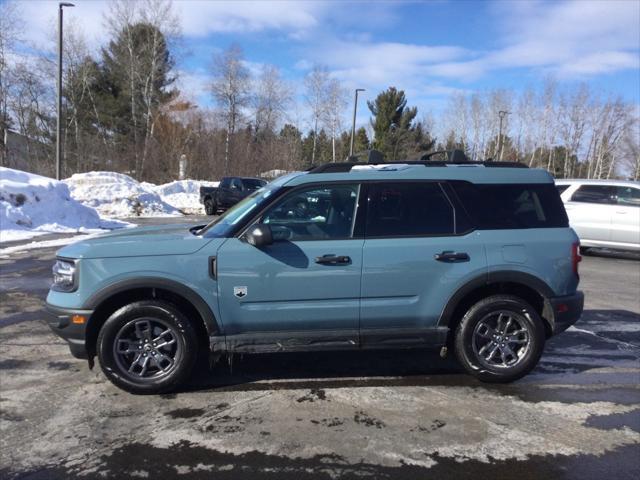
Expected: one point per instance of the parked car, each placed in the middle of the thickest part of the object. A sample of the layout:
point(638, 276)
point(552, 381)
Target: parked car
point(470, 258)
point(230, 191)
point(604, 213)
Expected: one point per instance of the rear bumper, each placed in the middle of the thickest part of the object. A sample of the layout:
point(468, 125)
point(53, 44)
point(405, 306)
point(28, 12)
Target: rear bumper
point(566, 311)
point(62, 323)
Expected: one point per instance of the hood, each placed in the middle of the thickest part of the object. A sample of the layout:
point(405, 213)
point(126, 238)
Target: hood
point(136, 242)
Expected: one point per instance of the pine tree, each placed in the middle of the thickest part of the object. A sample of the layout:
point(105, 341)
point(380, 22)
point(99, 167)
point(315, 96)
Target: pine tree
point(391, 123)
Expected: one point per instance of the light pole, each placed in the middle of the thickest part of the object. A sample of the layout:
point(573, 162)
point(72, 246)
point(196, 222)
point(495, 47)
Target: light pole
point(353, 126)
point(59, 122)
point(501, 114)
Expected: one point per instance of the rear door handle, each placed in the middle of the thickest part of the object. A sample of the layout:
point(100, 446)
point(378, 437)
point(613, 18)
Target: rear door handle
point(331, 259)
point(451, 257)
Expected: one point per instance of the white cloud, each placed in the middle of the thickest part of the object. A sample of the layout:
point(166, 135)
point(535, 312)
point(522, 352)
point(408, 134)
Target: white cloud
point(202, 18)
point(41, 21)
point(570, 38)
point(194, 85)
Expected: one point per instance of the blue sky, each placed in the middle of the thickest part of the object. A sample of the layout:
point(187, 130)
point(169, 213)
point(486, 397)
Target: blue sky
point(429, 49)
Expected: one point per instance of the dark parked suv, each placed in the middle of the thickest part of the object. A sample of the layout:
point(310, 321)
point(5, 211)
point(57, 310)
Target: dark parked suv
point(474, 258)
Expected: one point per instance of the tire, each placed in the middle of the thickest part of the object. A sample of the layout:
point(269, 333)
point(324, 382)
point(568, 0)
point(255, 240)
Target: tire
point(478, 339)
point(210, 206)
point(131, 338)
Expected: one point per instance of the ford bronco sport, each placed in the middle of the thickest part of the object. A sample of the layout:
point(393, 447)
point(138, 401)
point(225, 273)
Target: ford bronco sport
point(475, 258)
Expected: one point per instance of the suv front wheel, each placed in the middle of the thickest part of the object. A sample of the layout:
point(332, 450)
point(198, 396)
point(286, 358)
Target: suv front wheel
point(500, 339)
point(147, 347)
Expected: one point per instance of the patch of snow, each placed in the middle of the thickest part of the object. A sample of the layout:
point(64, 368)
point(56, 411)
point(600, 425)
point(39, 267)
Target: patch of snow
point(118, 195)
point(32, 205)
point(183, 194)
point(58, 242)
point(273, 174)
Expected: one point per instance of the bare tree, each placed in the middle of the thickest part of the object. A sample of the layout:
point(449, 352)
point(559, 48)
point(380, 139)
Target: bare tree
point(336, 102)
point(272, 98)
point(316, 85)
point(10, 27)
point(230, 89)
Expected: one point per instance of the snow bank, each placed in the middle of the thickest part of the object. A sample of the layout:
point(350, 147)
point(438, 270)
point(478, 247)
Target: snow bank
point(118, 195)
point(32, 205)
point(183, 194)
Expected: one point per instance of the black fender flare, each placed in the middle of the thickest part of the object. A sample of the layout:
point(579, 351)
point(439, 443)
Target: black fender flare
point(210, 322)
point(522, 278)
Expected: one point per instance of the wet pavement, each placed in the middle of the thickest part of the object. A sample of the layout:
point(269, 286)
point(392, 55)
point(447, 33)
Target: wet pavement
point(383, 414)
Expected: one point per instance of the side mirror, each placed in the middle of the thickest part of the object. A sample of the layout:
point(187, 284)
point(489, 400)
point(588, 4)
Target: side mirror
point(259, 235)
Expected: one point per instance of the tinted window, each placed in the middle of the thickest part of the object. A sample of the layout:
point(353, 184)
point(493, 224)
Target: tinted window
point(507, 206)
point(594, 194)
point(628, 196)
point(316, 213)
point(236, 184)
point(408, 209)
point(253, 184)
point(562, 188)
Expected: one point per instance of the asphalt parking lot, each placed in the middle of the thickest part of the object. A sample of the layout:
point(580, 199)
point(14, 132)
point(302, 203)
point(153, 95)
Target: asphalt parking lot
point(389, 414)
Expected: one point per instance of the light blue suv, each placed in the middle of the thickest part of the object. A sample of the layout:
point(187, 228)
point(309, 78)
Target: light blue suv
point(474, 257)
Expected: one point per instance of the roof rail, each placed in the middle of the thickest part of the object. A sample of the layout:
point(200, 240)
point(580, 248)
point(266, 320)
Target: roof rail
point(347, 166)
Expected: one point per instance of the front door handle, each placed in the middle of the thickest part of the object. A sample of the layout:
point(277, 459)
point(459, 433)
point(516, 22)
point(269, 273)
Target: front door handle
point(331, 259)
point(451, 257)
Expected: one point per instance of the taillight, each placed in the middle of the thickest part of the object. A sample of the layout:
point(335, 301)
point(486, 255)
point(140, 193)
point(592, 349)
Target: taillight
point(575, 257)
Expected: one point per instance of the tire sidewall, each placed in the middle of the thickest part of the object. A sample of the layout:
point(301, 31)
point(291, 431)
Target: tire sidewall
point(209, 207)
point(185, 336)
point(464, 339)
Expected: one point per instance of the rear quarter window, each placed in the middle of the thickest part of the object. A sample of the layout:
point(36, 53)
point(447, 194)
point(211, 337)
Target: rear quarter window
point(512, 206)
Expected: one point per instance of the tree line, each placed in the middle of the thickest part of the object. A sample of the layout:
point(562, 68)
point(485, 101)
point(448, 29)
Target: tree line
point(124, 112)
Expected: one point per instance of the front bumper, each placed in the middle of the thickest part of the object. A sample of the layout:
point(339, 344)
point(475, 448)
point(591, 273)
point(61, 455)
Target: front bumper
point(566, 311)
point(61, 321)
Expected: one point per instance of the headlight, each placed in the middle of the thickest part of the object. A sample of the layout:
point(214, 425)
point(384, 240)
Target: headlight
point(65, 278)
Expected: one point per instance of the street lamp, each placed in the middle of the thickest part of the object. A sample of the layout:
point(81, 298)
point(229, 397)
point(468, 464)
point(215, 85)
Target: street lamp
point(59, 123)
point(353, 127)
point(501, 114)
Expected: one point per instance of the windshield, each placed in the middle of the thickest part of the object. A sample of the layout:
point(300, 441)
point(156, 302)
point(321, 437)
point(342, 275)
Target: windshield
point(224, 224)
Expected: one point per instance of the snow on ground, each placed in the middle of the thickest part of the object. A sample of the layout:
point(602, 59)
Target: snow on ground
point(183, 194)
point(118, 195)
point(58, 242)
point(32, 205)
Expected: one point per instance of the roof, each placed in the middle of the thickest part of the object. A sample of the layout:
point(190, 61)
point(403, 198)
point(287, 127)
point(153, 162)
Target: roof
point(473, 173)
point(584, 181)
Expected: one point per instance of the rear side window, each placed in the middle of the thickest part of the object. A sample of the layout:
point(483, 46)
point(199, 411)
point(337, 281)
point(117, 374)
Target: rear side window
point(562, 188)
point(594, 194)
point(408, 209)
point(506, 206)
point(629, 196)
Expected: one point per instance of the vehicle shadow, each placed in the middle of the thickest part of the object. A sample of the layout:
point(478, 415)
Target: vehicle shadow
point(598, 332)
point(291, 371)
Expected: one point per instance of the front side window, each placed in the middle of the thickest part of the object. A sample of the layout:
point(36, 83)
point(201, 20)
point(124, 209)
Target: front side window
point(594, 194)
point(409, 209)
point(629, 196)
point(316, 213)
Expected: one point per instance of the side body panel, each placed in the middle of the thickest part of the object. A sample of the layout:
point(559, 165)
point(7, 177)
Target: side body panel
point(544, 253)
point(280, 287)
point(405, 287)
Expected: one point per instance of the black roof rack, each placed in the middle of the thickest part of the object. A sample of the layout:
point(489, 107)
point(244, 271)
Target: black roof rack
point(347, 166)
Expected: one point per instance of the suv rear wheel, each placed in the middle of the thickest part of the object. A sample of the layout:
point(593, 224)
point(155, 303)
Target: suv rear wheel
point(500, 339)
point(147, 347)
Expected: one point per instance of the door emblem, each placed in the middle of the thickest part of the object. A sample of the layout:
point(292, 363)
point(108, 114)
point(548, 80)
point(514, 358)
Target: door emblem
point(240, 292)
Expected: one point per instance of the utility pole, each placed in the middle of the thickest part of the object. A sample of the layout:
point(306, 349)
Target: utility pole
point(59, 122)
point(501, 114)
point(353, 126)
